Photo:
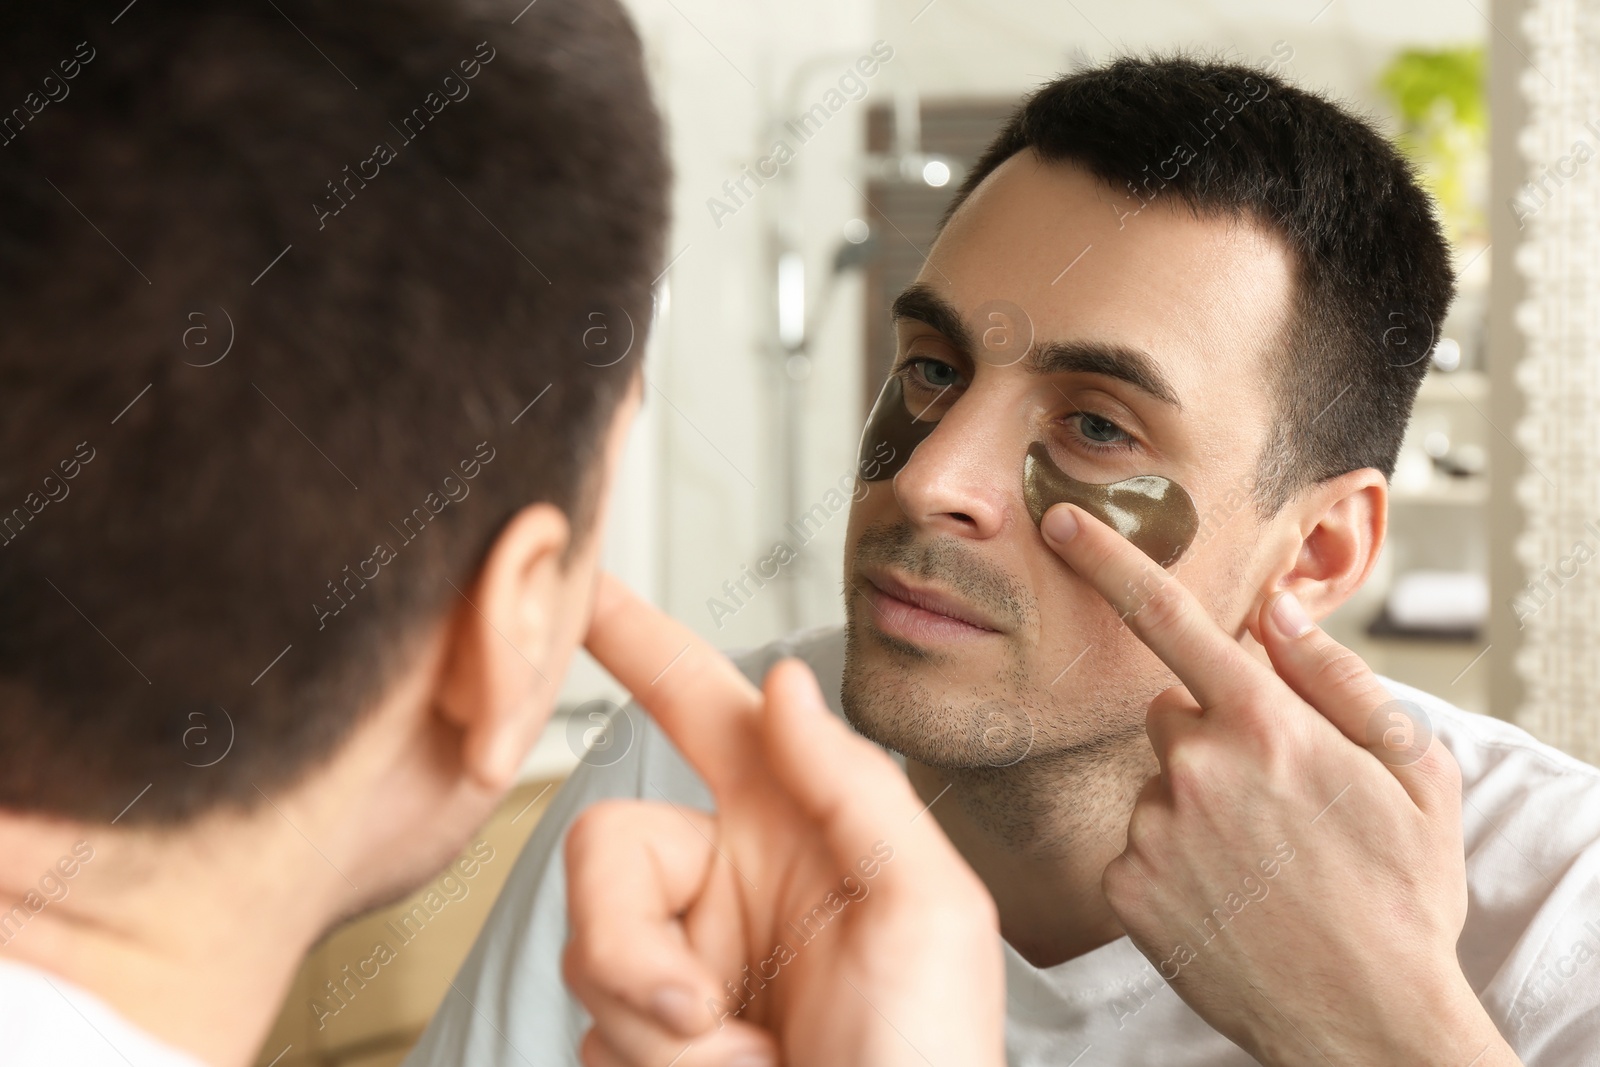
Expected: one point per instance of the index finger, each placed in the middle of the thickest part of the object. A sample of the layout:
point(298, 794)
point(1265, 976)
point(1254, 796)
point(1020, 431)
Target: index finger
point(694, 692)
point(1156, 607)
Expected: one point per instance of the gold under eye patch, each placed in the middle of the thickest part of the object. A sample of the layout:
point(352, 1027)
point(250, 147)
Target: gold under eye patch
point(1153, 512)
point(892, 432)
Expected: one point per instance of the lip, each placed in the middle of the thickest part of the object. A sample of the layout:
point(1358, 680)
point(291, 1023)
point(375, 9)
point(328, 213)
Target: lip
point(921, 614)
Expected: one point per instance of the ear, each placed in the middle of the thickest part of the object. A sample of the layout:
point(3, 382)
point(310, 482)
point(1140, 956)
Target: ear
point(1340, 526)
point(499, 679)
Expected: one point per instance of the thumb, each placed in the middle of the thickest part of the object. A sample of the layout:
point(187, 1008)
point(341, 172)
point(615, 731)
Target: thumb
point(929, 911)
point(840, 780)
point(859, 800)
point(1344, 690)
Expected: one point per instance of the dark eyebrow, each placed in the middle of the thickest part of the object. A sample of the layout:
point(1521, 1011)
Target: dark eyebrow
point(921, 303)
point(1127, 364)
point(1130, 365)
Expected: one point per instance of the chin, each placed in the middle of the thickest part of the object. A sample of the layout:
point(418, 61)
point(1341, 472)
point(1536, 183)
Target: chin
point(905, 702)
point(955, 715)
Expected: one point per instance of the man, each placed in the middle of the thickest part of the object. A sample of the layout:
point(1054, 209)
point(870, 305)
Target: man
point(1230, 283)
point(305, 464)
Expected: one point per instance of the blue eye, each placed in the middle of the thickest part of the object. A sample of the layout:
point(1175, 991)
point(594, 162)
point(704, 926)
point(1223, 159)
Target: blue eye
point(934, 374)
point(1101, 432)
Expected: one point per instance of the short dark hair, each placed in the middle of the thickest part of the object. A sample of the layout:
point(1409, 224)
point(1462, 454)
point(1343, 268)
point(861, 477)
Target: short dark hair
point(429, 239)
point(1374, 278)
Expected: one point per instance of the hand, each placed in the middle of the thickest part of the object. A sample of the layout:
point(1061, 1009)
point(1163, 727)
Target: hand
point(1295, 871)
point(851, 929)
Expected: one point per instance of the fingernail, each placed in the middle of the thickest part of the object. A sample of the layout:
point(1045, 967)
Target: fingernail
point(1290, 617)
point(1060, 524)
point(674, 1006)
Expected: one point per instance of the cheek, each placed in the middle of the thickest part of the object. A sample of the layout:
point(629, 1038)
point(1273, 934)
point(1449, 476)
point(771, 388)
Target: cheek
point(1080, 633)
point(873, 504)
point(1116, 669)
point(1067, 605)
point(1230, 559)
point(1072, 616)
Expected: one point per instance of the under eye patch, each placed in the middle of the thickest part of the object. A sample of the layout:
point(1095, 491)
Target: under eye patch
point(892, 432)
point(1153, 512)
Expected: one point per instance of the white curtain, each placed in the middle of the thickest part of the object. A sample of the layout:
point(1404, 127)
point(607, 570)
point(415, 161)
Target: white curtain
point(1559, 487)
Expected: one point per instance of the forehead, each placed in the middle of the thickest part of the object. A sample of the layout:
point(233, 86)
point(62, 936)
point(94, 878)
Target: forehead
point(1205, 297)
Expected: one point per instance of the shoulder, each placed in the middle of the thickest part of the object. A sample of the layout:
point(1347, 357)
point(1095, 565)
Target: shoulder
point(820, 648)
point(636, 759)
point(662, 770)
point(1530, 819)
point(49, 1020)
point(1516, 790)
point(644, 762)
point(1502, 763)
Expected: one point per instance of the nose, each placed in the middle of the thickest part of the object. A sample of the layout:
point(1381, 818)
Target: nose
point(964, 479)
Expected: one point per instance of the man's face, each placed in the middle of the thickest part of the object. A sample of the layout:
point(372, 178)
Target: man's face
point(969, 642)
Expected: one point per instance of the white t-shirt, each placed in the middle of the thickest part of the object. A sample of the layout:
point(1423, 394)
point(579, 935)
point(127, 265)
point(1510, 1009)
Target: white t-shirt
point(46, 1021)
point(1530, 947)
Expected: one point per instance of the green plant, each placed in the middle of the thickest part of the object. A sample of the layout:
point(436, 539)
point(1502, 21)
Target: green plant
point(1439, 97)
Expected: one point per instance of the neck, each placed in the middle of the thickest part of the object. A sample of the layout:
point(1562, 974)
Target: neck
point(1040, 833)
point(189, 935)
point(195, 933)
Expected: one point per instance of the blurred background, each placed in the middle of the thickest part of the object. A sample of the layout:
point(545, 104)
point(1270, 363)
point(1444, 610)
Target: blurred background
point(772, 336)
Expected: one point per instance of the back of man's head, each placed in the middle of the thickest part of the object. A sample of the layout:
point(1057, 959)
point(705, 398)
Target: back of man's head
point(296, 308)
point(1373, 272)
